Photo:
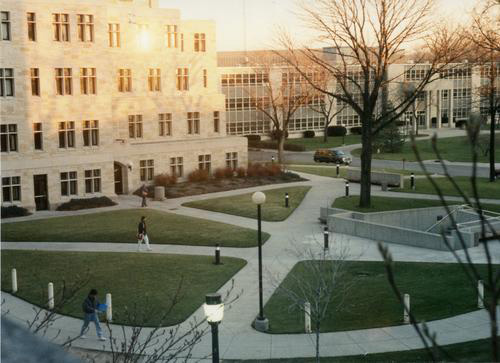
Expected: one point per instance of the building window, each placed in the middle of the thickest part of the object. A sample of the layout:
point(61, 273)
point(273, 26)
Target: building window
point(31, 18)
point(6, 82)
point(177, 166)
point(199, 42)
point(154, 79)
point(66, 134)
point(182, 79)
point(64, 81)
point(37, 136)
point(193, 120)
point(85, 27)
point(90, 133)
point(135, 126)
point(204, 162)
point(60, 25)
point(11, 189)
point(205, 78)
point(5, 28)
point(35, 81)
point(171, 36)
point(216, 121)
point(114, 35)
point(8, 137)
point(232, 160)
point(182, 42)
point(125, 80)
point(93, 181)
point(88, 81)
point(147, 169)
point(165, 124)
point(69, 183)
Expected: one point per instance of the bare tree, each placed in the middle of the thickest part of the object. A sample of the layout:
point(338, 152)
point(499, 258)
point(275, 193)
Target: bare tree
point(364, 38)
point(279, 99)
point(489, 234)
point(319, 283)
point(484, 30)
point(325, 104)
point(407, 90)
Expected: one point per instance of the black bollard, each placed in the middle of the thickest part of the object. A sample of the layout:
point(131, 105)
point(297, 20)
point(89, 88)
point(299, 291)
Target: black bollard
point(346, 188)
point(412, 181)
point(272, 159)
point(286, 200)
point(217, 254)
point(338, 170)
point(325, 234)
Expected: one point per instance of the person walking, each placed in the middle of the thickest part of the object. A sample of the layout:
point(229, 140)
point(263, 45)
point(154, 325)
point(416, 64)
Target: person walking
point(142, 234)
point(144, 194)
point(89, 307)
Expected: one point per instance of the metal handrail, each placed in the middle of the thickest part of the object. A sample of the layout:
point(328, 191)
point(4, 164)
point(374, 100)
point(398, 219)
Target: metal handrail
point(446, 216)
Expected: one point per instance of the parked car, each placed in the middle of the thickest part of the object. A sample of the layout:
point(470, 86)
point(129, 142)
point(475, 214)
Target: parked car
point(331, 156)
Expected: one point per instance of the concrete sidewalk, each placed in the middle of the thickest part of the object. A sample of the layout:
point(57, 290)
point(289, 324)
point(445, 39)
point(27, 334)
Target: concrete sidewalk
point(301, 230)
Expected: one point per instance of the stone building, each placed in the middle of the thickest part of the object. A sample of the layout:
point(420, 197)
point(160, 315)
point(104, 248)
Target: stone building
point(98, 96)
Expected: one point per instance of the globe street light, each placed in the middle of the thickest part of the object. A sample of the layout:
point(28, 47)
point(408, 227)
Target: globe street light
point(261, 323)
point(214, 312)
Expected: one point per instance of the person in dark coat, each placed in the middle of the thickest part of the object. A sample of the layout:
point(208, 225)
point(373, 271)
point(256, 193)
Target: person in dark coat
point(89, 308)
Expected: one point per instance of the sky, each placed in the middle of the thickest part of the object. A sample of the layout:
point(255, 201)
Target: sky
point(263, 17)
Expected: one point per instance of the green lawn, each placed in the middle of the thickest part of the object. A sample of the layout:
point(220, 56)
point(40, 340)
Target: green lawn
point(370, 301)
point(486, 189)
point(121, 226)
point(147, 281)
point(382, 204)
point(331, 171)
point(312, 144)
point(474, 351)
point(273, 209)
point(451, 149)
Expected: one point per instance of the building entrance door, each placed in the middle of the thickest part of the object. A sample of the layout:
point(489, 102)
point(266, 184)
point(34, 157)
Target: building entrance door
point(118, 178)
point(41, 193)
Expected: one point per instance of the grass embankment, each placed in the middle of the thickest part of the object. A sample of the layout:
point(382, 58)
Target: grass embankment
point(451, 149)
point(273, 209)
point(141, 282)
point(314, 143)
point(121, 227)
point(370, 302)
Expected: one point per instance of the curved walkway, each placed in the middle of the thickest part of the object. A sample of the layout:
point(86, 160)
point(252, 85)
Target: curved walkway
point(237, 338)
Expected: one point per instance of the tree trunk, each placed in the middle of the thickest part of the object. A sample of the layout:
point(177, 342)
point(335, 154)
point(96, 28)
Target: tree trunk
point(281, 148)
point(492, 143)
point(325, 135)
point(318, 323)
point(366, 163)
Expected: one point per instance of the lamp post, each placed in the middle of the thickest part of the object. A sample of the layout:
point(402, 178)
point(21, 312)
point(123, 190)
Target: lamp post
point(214, 312)
point(261, 323)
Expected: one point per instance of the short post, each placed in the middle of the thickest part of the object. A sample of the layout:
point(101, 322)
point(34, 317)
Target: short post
point(109, 309)
point(217, 254)
point(404, 163)
point(412, 181)
point(346, 188)
point(14, 280)
point(272, 159)
point(325, 235)
point(406, 314)
point(480, 294)
point(286, 200)
point(338, 170)
point(307, 316)
point(51, 295)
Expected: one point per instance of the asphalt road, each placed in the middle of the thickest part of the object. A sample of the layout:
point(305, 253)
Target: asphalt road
point(455, 169)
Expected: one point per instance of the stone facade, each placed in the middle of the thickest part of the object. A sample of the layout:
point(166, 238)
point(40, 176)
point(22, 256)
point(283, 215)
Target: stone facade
point(141, 116)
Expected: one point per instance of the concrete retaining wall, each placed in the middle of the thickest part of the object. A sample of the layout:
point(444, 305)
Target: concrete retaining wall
point(391, 179)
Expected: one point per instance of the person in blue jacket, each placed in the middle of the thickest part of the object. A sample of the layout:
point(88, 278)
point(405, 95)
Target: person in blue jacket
point(89, 308)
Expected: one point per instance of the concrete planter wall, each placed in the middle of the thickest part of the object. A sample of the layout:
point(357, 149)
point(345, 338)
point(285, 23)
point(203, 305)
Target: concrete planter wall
point(379, 178)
